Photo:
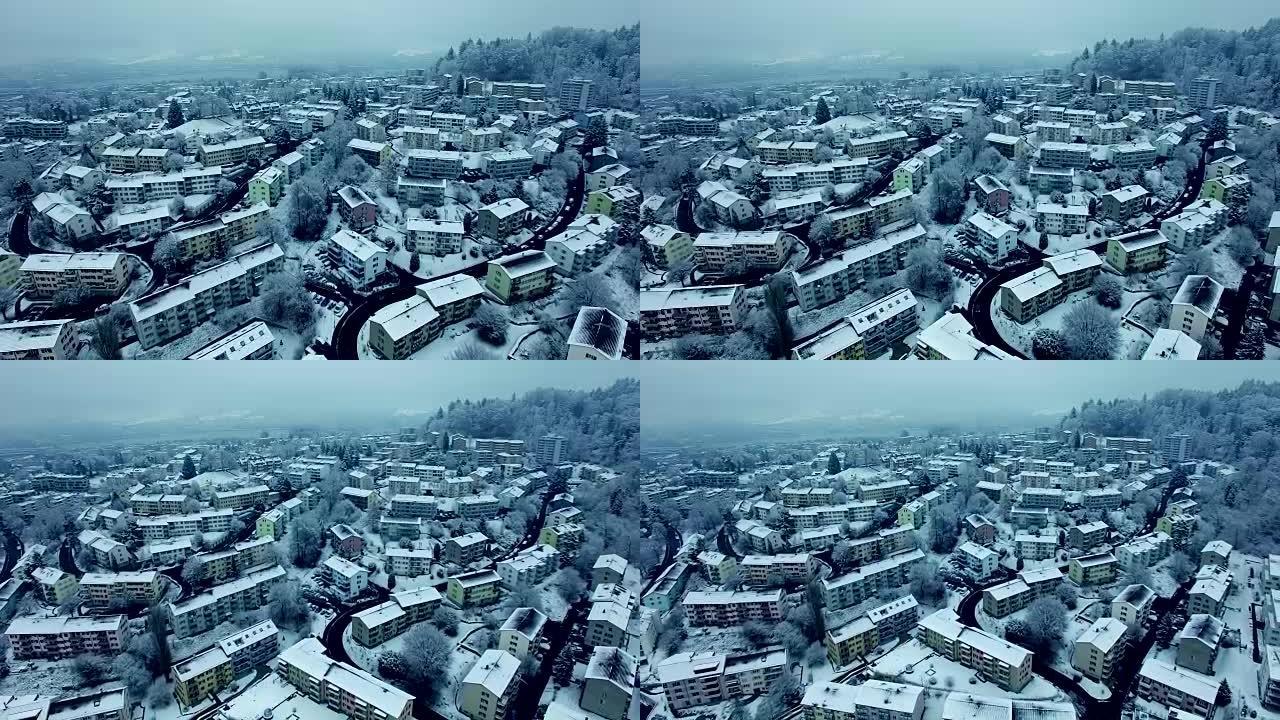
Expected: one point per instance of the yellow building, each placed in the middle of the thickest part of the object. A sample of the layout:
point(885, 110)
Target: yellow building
point(850, 642)
point(1228, 189)
point(1138, 251)
point(202, 675)
point(267, 186)
point(271, 525)
point(522, 276)
point(613, 201)
point(564, 537)
point(473, 588)
point(11, 269)
point(1096, 569)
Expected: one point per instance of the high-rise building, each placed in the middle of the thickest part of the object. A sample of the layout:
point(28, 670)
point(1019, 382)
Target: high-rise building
point(550, 450)
point(1203, 92)
point(1174, 447)
point(575, 94)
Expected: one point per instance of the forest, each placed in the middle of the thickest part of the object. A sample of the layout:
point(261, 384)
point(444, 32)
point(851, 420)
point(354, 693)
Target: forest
point(1239, 426)
point(1247, 62)
point(609, 59)
point(600, 426)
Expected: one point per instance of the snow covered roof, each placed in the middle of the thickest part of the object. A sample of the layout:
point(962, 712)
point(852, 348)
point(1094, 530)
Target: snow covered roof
point(524, 263)
point(1073, 261)
point(400, 319)
point(991, 225)
point(358, 245)
point(1139, 239)
point(1127, 193)
point(1191, 683)
point(1201, 292)
point(1172, 345)
point(601, 329)
point(1104, 633)
point(1033, 284)
point(448, 290)
point(702, 296)
point(494, 671)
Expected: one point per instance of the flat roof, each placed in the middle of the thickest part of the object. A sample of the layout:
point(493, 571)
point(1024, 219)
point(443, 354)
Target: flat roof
point(702, 296)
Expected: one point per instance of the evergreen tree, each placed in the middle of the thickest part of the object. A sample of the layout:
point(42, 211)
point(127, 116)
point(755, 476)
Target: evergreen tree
point(175, 114)
point(596, 135)
point(188, 468)
point(823, 113)
point(833, 464)
point(1224, 695)
point(414, 263)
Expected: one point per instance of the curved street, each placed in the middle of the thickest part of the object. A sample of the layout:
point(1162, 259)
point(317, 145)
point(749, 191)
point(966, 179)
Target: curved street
point(346, 333)
point(978, 311)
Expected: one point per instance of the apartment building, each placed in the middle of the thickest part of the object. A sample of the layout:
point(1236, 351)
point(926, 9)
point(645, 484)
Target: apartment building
point(732, 607)
point(1030, 295)
point(1064, 155)
point(1000, 662)
point(868, 333)
point(992, 195)
point(613, 201)
point(1231, 190)
point(359, 260)
point(1044, 179)
point(1194, 305)
point(864, 582)
point(877, 145)
point(38, 340)
point(241, 498)
point(672, 312)
point(769, 570)
point(114, 588)
point(232, 152)
point(466, 549)
point(100, 273)
point(1123, 203)
point(406, 608)
point(685, 125)
point(434, 237)
point(1133, 156)
point(508, 164)
point(473, 588)
point(701, 678)
point(1059, 219)
point(415, 192)
point(994, 238)
point(445, 164)
point(340, 687)
point(1099, 648)
point(408, 562)
point(736, 253)
point(1095, 569)
point(869, 700)
point(490, 686)
point(175, 310)
point(212, 670)
point(143, 187)
point(65, 637)
point(1198, 222)
point(223, 602)
point(1132, 604)
point(1198, 643)
point(1171, 686)
point(840, 276)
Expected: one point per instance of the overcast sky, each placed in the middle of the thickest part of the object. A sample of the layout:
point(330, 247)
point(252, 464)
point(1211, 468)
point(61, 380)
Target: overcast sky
point(136, 29)
point(277, 393)
point(678, 31)
point(915, 394)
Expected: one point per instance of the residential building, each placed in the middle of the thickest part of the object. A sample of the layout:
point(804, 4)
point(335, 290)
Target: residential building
point(433, 237)
point(473, 588)
point(501, 218)
point(840, 276)
point(1002, 663)
point(1171, 686)
point(359, 260)
point(1099, 648)
point(1096, 569)
point(177, 309)
point(700, 678)
point(671, 312)
point(993, 237)
point(65, 637)
point(212, 670)
point(490, 686)
point(1198, 643)
point(406, 608)
point(868, 333)
point(341, 687)
point(1056, 219)
point(356, 208)
point(741, 252)
point(99, 273)
point(1194, 305)
point(1138, 251)
point(597, 334)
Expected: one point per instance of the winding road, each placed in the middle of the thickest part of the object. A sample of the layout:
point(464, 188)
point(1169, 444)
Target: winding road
point(346, 332)
point(978, 311)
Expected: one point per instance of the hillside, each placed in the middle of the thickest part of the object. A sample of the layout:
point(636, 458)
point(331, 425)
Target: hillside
point(1240, 426)
point(1247, 62)
point(600, 426)
point(610, 59)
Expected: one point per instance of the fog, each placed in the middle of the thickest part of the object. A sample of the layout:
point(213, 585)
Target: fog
point(735, 31)
point(311, 30)
point(53, 395)
point(675, 397)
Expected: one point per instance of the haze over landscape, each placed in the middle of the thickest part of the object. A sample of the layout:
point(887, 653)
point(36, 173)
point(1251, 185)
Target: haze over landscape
point(899, 34)
point(150, 31)
point(885, 399)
